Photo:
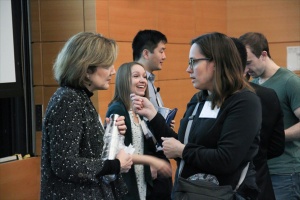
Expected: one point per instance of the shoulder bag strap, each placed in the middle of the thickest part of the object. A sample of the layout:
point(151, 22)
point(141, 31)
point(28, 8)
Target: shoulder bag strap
point(186, 135)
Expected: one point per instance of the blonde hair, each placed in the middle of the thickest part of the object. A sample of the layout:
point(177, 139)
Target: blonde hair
point(81, 54)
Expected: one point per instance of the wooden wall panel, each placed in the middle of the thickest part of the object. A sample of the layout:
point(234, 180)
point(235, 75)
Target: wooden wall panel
point(179, 20)
point(278, 52)
point(124, 55)
point(49, 54)
point(35, 20)
point(176, 19)
point(210, 16)
point(102, 17)
point(277, 19)
point(61, 19)
point(89, 16)
point(38, 95)
point(176, 63)
point(126, 18)
point(37, 64)
point(22, 179)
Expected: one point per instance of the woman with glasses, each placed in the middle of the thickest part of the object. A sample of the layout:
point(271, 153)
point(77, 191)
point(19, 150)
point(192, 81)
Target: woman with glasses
point(219, 132)
point(132, 78)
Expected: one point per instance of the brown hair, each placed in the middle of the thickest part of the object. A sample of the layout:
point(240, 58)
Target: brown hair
point(123, 84)
point(228, 76)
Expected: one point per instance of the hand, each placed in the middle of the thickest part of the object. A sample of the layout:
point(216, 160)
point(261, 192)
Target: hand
point(153, 172)
point(120, 122)
point(125, 161)
point(161, 167)
point(172, 148)
point(172, 124)
point(143, 106)
point(157, 165)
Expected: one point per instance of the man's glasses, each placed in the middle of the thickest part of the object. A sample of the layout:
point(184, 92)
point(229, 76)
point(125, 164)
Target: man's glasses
point(192, 62)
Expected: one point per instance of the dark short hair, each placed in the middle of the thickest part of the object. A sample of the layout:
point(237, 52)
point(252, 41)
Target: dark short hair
point(257, 43)
point(242, 51)
point(146, 39)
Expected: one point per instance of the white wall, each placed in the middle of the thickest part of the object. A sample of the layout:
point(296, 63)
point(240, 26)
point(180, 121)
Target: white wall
point(7, 58)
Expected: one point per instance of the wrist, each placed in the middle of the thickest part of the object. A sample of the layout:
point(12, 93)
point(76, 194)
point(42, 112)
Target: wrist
point(151, 115)
point(180, 150)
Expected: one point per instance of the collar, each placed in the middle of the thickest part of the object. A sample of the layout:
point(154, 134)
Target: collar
point(89, 93)
point(150, 76)
point(203, 96)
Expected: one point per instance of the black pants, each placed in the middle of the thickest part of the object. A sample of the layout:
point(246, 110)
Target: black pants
point(162, 188)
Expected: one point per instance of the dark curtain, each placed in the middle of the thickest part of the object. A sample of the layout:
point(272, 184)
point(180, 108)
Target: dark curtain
point(16, 118)
point(12, 127)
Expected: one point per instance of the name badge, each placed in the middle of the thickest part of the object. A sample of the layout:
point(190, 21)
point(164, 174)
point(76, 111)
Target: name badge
point(207, 112)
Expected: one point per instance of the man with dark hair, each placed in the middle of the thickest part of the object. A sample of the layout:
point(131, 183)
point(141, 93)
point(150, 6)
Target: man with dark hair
point(272, 139)
point(149, 49)
point(285, 169)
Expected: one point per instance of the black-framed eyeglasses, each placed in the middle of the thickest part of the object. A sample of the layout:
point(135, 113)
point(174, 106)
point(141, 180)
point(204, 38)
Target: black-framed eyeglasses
point(192, 61)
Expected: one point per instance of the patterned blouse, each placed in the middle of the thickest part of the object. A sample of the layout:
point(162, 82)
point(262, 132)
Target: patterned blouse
point(138, 144)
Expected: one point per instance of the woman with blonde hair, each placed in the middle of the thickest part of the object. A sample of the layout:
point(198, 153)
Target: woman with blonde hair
point(72, 140)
